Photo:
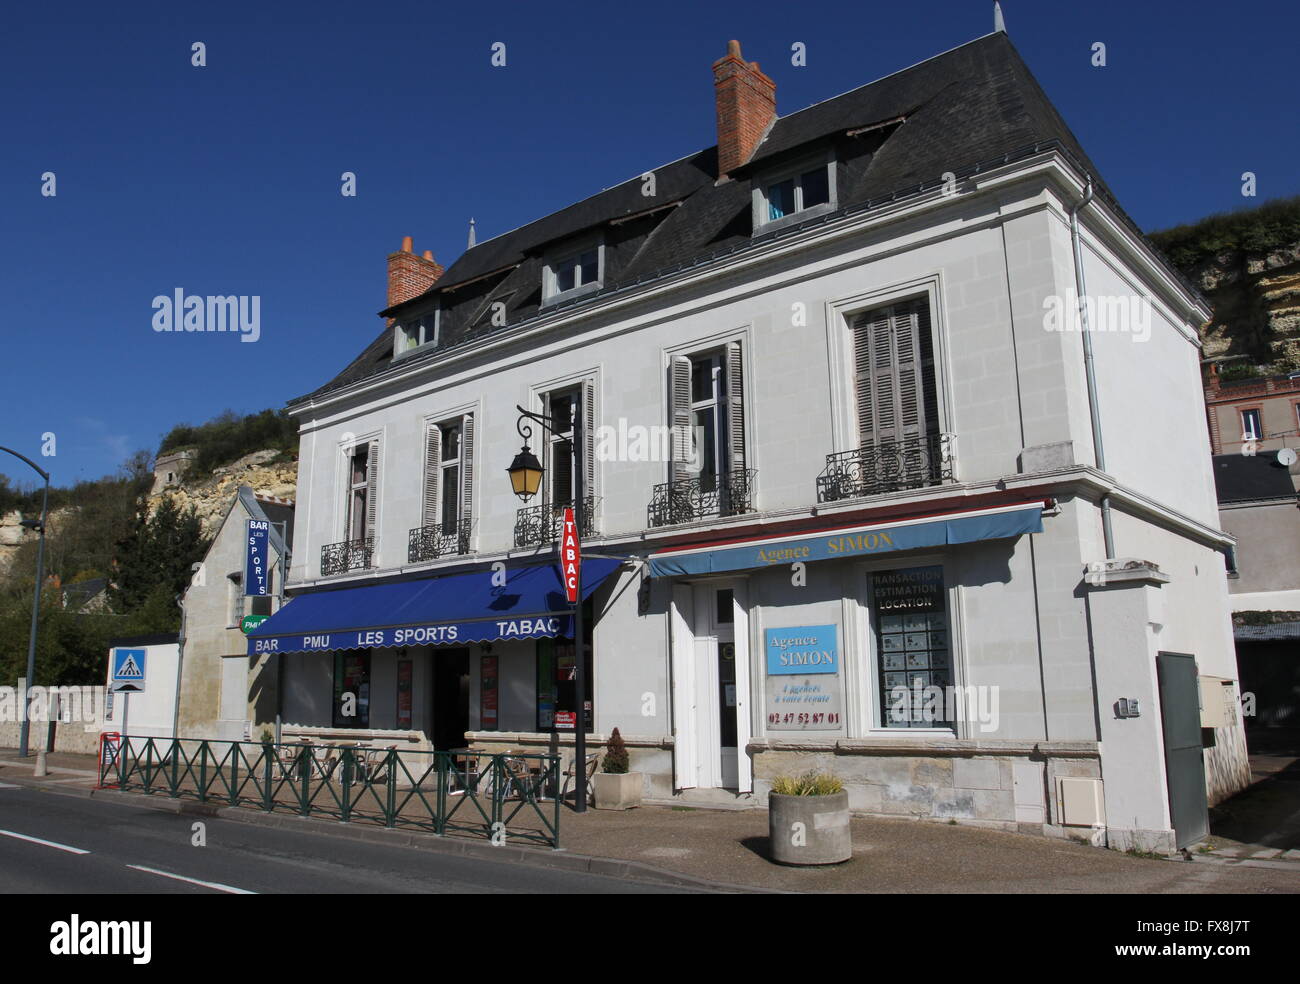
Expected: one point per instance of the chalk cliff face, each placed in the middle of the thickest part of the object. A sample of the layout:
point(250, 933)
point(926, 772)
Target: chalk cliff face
point(1256, 299)
point(211, 496)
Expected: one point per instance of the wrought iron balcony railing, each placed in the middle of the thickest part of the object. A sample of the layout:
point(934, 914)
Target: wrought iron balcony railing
point(689, 499)
point(348, 555)
point(431, 542)
point(895, 466)
point(541, 524)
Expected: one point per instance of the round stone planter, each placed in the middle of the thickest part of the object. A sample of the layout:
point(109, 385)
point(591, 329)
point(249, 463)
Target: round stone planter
point(805, 830)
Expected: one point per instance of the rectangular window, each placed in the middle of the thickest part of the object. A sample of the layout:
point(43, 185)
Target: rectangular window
point(448, 489)
point(798, 193)
point(235, 587)
point(572, 272)
point(560, 407)
point(358, 491)
point(913, 657)
point(1250, 427)
point(708, 418)
point(449, 484)
point(352, 689)
point(419, 331)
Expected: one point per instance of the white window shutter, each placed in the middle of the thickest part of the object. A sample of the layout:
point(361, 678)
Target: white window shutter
point(372, 489)
point(588, 410)
point(432, 456)
point(735, 408)
point(679, 417)
point(467, 468)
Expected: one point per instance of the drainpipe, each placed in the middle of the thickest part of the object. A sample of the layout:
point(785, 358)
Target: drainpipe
point(180, 658)
point(1090, 371)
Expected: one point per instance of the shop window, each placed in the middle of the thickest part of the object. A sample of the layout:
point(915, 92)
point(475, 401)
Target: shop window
point(352, 689)
point(556, 678)
point(913, 656)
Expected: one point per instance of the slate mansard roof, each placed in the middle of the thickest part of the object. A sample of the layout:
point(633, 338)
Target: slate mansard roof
point(969, 107)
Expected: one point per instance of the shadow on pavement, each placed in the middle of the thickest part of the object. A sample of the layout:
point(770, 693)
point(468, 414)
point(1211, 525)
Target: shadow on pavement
point(1268, 811)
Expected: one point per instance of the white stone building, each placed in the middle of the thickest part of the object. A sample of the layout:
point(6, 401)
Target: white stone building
point(911, 476)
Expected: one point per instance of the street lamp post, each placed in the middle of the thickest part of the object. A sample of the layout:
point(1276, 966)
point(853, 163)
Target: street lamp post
point(525, 477)
point(25, 728)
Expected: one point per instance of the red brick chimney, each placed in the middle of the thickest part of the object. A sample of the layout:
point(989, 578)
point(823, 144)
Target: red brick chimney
point(410, 275)
point(746, 100)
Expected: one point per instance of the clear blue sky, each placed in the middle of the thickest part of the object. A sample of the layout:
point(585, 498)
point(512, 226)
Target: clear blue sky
point(225, 179)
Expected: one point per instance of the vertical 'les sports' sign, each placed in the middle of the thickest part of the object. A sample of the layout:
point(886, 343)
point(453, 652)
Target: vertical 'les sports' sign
point(570, 557)
point(256, 581)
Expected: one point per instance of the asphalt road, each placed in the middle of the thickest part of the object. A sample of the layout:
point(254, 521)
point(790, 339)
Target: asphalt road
point(51, 843)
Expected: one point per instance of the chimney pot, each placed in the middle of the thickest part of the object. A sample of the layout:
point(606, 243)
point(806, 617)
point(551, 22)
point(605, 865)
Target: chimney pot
point(428, 255)
point(407, 246)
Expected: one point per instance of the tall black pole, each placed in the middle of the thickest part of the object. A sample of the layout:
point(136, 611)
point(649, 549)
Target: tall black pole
point(25, 729)
point(580, 659)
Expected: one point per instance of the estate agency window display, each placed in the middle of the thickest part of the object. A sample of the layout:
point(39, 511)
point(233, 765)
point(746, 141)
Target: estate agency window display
point(914, 661)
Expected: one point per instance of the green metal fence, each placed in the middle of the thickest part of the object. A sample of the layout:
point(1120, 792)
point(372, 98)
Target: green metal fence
point(499, 796)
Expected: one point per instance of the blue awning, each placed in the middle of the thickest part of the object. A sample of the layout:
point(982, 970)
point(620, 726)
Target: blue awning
point(440, 611)
point(854, 541)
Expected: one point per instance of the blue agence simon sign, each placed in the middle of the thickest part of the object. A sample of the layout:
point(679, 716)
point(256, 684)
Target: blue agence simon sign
point(802, 649)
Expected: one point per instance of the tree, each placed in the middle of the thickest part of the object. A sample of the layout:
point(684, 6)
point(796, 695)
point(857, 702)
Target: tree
point(158, 554)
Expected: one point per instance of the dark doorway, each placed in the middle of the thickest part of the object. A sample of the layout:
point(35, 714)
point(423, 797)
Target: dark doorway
point(1180, 718)
point(450, 698)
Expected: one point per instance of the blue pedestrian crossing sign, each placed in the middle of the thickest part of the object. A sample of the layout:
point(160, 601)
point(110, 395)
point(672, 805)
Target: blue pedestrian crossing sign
point(128, 671)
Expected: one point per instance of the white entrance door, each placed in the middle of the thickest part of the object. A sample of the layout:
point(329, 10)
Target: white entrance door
point(720, 683)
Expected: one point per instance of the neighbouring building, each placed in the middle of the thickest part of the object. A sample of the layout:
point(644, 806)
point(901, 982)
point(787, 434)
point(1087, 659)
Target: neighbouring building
point(857, 498)
point(225, 693)
point(1259, 507)
point(1260, 413)
point(169, 470)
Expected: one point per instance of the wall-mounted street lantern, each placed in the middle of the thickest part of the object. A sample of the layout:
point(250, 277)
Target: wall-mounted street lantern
point(526, 478)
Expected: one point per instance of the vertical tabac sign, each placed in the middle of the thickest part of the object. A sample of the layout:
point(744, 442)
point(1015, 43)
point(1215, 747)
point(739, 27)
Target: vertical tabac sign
point(570, 557)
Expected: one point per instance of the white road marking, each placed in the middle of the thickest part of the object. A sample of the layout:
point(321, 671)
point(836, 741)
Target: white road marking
point(217, 886)
point(37, 840)
point(7, 785)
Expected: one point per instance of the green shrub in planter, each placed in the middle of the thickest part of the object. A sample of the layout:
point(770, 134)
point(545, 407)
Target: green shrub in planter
point(616, 760)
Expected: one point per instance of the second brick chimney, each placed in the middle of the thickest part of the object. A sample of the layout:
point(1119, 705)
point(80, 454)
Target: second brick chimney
point(410, 275)
point(746, 100)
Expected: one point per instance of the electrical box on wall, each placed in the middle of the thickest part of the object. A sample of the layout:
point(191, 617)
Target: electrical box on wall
point(1079, 802)
point(1215, 701)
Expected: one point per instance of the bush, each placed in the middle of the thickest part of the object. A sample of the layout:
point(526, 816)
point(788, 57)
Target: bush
point(616, 760)
point(809, 784)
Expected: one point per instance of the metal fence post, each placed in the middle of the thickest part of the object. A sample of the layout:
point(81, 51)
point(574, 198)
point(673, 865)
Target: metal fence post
point(345, 808)
point(267, 799)
point(203, 771)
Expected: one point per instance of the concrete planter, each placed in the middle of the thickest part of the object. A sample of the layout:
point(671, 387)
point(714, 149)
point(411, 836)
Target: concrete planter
point(616, 790)
point(807, 830)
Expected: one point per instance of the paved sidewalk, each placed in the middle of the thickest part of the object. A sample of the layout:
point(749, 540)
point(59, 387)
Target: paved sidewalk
point(728, 848)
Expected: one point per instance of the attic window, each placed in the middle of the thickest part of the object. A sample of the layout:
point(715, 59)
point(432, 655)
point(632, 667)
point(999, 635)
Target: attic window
point(415, 333)
point(575, 273)
point(794, 195)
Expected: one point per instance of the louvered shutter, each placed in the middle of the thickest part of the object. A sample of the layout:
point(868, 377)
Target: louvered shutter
point(467, 468)
point(893, 356)
point(907, 360)
point(735, 409)
point(679, 417)
point(432, 456)
point(588, 411)
point(372, 489)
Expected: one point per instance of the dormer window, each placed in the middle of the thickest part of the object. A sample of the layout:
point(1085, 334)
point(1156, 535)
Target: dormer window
point(575, 273)
point(792, 197)
point(415, 333)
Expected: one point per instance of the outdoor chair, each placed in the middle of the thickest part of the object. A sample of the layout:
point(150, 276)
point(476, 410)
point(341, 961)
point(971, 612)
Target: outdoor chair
point(571, 772)
point(287, 760)
point(374, 764)
point(522, 780)
point(464, 775)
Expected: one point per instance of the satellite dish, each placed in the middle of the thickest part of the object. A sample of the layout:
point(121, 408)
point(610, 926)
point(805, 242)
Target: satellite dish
point(1286, 456)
